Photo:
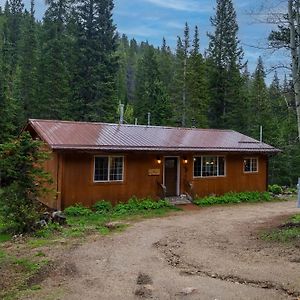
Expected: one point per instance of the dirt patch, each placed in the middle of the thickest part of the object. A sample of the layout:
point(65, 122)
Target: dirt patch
point(289, 225)
point(43, 273)
point(213, 252)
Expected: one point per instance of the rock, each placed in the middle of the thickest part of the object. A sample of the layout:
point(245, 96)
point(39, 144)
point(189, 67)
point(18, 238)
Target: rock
point(113, 225)
point(188, 291)
point(144, 279)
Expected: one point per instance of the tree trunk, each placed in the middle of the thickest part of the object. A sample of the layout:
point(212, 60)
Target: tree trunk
point(295, 50)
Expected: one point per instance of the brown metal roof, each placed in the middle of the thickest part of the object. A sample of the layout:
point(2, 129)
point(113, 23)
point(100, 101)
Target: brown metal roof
point(101, 136)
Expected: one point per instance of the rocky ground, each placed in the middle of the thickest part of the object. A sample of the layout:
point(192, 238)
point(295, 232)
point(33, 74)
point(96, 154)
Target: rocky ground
point(210, 253)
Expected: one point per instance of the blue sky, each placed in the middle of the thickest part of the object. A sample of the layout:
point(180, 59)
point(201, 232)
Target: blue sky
point(154, 19)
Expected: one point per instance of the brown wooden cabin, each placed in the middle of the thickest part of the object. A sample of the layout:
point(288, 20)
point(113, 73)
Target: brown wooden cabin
point(96, 161)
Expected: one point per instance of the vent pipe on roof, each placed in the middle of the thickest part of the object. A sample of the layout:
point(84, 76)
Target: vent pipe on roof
point(135, 121)
point(149, 118)
point(121, 121)
point(261, 134)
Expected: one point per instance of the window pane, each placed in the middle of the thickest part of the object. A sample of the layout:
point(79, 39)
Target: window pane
point(116, 169)
point(221, 166)
point(247, 165)
point(197, 166)
point(101, 169)
point(209, 166)
point(254, 165)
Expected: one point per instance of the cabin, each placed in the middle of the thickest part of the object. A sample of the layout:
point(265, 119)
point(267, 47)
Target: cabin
point(98, 161)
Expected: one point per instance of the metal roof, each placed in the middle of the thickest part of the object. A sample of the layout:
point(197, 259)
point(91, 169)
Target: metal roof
point(64, 135)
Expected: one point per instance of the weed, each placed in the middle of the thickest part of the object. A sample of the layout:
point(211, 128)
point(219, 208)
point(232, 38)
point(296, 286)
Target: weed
point(287, 232)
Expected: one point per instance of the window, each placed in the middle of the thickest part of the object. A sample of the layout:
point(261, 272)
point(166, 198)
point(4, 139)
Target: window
point(209, 166)
point(108, 168)
point(251, 165)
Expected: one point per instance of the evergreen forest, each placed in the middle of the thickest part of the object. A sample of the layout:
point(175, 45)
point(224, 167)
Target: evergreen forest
point(75, 65)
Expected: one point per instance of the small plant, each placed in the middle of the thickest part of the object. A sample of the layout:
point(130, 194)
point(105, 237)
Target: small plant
point(275, 189)
point(102, 207)
point(233, 198)
point(78, 210)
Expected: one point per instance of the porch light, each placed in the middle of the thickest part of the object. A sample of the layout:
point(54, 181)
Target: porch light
point(158, 160)
point(185, 160)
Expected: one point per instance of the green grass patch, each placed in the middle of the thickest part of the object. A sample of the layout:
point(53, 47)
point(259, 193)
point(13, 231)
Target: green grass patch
point(234, 198)
point(285, 233)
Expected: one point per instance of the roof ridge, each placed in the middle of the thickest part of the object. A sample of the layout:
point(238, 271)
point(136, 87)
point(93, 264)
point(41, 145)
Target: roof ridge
point(132, 125)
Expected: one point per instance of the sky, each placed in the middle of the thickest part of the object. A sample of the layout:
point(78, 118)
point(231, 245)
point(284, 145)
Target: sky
point(152, 20)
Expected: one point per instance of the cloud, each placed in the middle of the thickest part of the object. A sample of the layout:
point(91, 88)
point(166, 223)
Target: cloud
point(183, 5)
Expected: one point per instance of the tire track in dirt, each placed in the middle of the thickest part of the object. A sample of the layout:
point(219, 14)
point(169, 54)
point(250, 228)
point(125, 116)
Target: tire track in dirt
point(168, 249)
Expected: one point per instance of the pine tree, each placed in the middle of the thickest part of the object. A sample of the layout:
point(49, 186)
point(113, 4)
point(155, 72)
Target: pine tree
point(97, 67)
point(151, 95)
point(166, 66)
point(260, 104)
point(14, 13)
point(28, 65)
point(225, 56)
point(10, 109)
point(197, 86)
point(54, 74)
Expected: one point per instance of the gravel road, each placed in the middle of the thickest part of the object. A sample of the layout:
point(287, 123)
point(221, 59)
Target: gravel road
point(211, 253)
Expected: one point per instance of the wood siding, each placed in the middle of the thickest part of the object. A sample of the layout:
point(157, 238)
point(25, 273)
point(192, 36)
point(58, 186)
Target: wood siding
point(73, 173)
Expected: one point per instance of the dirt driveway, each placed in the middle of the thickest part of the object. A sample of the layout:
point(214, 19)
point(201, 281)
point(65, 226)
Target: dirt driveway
point(211, 253)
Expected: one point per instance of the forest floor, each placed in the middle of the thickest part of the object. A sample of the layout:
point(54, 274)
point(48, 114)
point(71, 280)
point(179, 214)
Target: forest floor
point(206, 253)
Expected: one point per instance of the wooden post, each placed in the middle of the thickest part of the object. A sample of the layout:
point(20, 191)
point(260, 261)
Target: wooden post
point(298, 192)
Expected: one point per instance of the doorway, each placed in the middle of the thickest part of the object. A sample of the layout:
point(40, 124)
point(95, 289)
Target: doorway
point(171, 176)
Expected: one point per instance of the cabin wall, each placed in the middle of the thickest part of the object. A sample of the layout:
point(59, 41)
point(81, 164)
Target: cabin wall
point(79, 187)
point(51, 166)
point(235, 180)
point(77, 184)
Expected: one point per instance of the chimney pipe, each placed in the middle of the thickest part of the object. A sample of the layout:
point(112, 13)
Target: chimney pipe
point(149, 118)
point(261, 134)
point(121, 114)
point(135, 121)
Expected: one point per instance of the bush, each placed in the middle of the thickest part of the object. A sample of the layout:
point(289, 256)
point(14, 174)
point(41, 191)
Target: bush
point(275, 189)
point(78, 210)
point(102, 207)
point(233, 198)
point(136, 205)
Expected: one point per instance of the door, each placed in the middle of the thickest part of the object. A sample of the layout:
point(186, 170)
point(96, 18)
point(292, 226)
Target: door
point(171, 176)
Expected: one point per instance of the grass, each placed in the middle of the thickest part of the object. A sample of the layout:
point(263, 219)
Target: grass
point(285, 233)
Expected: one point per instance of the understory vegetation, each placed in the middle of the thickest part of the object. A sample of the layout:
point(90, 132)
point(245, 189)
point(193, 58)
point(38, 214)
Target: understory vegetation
point(287, 232)
point(228, 198)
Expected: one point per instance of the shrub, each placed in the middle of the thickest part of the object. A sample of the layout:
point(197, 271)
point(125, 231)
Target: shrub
point(233, 198)
point(78, 210)
point(102, 207)
point(275, 189)
point(136, 205)
point(23, 181)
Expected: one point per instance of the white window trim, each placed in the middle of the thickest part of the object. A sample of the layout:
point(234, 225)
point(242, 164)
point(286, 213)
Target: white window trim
point(218, 156)
point(109, 163)
point(251, 158)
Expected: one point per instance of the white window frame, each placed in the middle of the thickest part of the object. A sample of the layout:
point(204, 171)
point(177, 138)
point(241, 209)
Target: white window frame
point(109, 164)
point(217, 156)
point(251, 165)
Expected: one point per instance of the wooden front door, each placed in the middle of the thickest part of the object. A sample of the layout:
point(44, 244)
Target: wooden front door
point(171, 176)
